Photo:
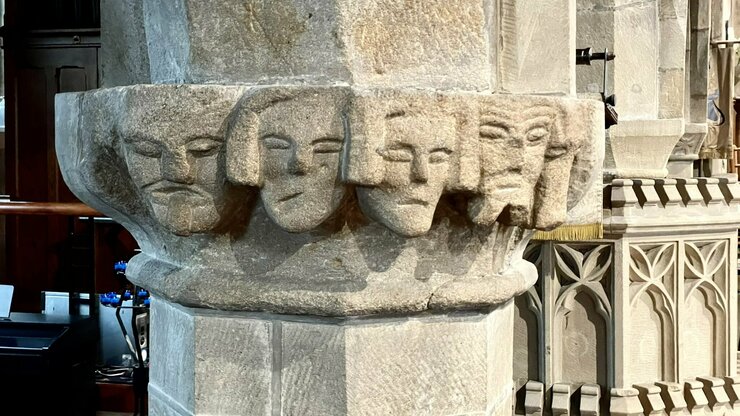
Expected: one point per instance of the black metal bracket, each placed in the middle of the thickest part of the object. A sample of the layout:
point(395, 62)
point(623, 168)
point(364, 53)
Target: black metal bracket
point(584, 57)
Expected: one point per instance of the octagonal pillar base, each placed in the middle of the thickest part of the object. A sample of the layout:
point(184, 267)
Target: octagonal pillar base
point(232, 363)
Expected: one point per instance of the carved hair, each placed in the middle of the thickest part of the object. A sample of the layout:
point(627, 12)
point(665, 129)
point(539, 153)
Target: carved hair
point(368, 116)
point(243, 156)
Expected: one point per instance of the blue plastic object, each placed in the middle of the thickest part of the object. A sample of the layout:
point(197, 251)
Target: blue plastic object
point(120, 267)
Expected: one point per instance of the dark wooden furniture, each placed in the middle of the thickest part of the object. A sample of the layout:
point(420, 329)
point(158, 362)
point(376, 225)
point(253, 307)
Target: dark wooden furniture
point(50, 47)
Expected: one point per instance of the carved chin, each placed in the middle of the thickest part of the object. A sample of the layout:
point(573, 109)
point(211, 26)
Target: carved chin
point(408, 225)
point(186, 220)
point(297, 223)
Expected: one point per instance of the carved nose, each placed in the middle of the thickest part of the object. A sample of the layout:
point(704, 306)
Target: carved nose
point(176, 168)
point(300, 164)
point(516, 141)
point(420, 170)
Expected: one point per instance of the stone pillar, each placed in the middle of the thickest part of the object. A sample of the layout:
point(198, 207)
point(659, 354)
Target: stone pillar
point(648, 78)
point(332, 199)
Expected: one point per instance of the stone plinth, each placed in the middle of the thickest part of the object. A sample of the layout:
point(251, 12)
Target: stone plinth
point(208, 362)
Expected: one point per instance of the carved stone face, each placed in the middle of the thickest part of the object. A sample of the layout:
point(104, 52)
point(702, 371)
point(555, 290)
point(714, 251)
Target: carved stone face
point(416, 153)
point(512, 151)
point(179, 178)
point(301, 143)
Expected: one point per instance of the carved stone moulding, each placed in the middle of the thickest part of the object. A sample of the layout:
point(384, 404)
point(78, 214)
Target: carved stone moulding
point(328, 200)
point(686, 151)
point(641, 148)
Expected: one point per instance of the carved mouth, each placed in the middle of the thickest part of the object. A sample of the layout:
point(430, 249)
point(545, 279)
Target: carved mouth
point(168, 190)
point(289, 197)
point(507, 187)
point(415, 201)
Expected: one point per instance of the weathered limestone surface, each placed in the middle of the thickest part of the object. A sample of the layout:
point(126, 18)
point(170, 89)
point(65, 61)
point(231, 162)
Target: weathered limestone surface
point(436, 44)
point(125, 58)
point(240, 187)
point(259, 364)
point(526, 28)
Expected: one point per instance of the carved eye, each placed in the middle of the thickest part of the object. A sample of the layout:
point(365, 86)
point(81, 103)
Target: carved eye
point(493, 132)
point(203, 147)
point(274, 142)
point(537, 135)
point(555, 151)
point(439, 156)
point(397, 155)
point(146, 148)
point(327, 145)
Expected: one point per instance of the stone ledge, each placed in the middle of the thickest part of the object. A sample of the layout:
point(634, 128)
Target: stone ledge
point(686, 202)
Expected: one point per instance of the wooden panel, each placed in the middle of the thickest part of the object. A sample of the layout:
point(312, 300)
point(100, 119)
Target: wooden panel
point(44, 253)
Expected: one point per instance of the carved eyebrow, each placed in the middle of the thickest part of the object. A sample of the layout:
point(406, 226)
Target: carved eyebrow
point(504, 119)
point(397, 146)
point(540, 111)
point(395, 114)
point(446, 150)
point(204, 136)
point(538, 122)
point(506, 125)
point(136, 137)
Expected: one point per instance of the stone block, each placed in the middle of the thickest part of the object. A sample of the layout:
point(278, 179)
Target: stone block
point(625, 402)
point(710, 190)
point(433, 44)
point(696, 400)
point(560, 401)
point(669, 195)
point(732, 388)
point(532, 33)
point(257, 364)
point(673, 398)
point(232, 41)
point(690, 193)
point(672, 84)
point(634, 72)
point(595, 29)
point(125, 58)
point(173, 349)
point(673, 36)
point(534, 398)
point(623, 200)
point(646, 193)
point(714, 389)
point(641, 148)
point(650, 399)
point(219, 365)
point(590, 400)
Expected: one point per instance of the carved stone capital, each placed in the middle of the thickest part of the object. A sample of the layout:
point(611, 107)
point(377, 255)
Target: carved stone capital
point(328, 200)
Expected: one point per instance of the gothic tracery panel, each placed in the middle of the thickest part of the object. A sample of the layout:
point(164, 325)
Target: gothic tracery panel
point(528, 324)
point(651, 327)
point(706, 287)
point(582, 313)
